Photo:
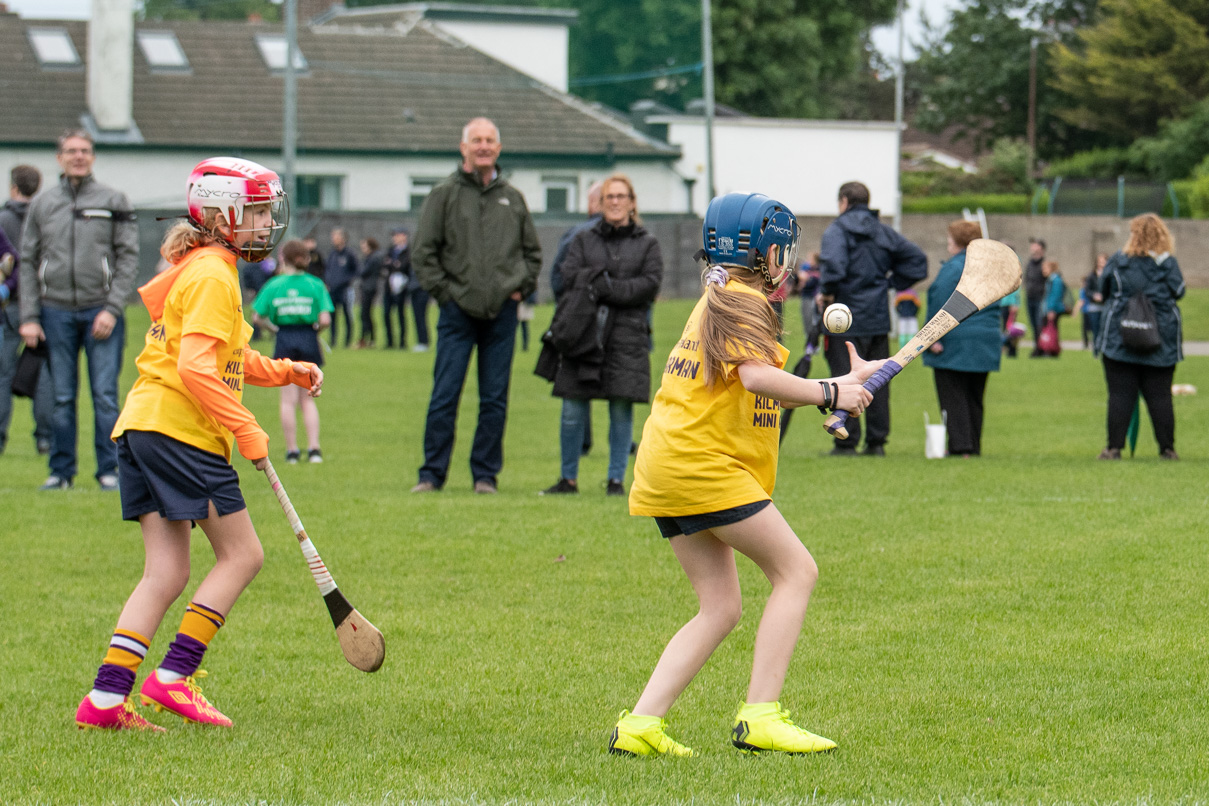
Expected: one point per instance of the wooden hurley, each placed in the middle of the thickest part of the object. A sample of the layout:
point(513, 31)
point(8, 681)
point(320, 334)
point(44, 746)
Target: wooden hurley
point(361, 642)
point(992, 271)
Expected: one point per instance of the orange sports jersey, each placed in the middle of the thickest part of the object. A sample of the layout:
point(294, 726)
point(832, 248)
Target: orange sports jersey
point(201, 295)
point(705, 449)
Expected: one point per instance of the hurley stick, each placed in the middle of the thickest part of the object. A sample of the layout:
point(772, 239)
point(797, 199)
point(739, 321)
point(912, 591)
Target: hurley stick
point(992, 271)
point(361, 642)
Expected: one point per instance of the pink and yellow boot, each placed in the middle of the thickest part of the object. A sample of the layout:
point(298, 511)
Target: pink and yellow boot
point(182, 697)
point(117, 717)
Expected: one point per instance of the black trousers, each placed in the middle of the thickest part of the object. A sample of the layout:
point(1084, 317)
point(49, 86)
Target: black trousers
point(394, 308)
point(341, 306)
point(369, 295)
point(1125, 381)
point(960, 395)
point(877, 414)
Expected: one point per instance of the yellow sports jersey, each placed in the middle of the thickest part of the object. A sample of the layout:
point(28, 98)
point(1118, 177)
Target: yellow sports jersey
point(705, 449)
point(203, 297)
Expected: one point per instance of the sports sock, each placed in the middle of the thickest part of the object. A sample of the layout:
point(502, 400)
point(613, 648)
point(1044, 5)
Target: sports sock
point(198, 627)
point(116, 675)
point(757, 710)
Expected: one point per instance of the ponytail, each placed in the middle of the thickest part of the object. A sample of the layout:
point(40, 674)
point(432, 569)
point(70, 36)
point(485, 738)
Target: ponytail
point(183, 236)
point(736, 326)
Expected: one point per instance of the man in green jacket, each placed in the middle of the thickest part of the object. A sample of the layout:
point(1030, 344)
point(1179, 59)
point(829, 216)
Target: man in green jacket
point(476, 252)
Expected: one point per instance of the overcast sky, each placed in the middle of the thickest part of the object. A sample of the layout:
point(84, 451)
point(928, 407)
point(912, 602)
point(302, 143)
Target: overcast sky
point(885, 38)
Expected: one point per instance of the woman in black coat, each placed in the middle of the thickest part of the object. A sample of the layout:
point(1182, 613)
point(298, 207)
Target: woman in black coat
point(1145, 265)
point(617, 263)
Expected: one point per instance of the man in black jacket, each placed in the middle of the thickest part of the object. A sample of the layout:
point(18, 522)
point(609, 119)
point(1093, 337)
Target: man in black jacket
point(860, 261)
point(1034, 290)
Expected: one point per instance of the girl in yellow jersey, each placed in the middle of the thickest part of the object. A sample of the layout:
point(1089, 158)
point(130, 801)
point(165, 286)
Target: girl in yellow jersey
point(706, 468)
point(174, 441)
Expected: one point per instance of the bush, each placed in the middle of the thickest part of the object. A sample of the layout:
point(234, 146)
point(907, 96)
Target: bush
point(1007, 203)
point(1099, 163)
point(1184, 196)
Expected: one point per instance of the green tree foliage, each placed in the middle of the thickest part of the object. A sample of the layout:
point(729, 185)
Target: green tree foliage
point(1142, 62)
point(1178, 148)
point(210, 9)
point(797, 58)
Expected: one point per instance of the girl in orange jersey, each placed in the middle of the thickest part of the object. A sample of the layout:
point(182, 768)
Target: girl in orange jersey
point(174, 441)
point(706, 468)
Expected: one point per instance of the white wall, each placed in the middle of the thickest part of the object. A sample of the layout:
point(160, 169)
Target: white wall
point(157, 178)
point(539, 51)
point(799, 162)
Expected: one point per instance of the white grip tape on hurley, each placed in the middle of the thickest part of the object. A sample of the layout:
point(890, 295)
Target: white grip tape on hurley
point(318, 570)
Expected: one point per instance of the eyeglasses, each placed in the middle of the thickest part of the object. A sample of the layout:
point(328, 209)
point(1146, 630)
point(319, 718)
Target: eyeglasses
point(618, 197)
point(72, 152)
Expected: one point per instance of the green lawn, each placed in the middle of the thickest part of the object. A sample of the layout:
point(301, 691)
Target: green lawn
point(1028, 627)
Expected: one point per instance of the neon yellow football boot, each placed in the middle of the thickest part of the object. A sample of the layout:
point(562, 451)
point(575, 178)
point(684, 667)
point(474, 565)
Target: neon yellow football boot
point(766, 726)
point(644, 736)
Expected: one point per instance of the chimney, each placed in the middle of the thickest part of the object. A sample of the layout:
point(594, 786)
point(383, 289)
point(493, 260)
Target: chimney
point(110, 64)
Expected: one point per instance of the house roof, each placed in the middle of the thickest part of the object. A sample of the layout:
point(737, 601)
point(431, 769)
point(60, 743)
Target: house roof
point(406, 89)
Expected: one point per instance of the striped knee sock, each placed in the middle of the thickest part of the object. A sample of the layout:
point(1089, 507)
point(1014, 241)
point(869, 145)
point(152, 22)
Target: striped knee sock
point(198, 628)
point(116, 675)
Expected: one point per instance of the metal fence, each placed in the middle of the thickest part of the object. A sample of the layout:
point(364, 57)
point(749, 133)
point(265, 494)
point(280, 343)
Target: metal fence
point(1119, 197)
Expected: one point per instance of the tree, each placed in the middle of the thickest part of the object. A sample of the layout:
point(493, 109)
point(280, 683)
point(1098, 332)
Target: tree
point(973, 75)
point(210, 9)
point(1142, 62)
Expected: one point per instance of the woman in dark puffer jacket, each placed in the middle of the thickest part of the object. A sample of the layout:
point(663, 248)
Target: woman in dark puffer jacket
point(632, 271)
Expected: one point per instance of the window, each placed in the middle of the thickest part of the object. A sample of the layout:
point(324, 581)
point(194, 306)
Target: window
point(561, 194)
point(53, 47)
point(421, 186)
point(272, 50)
point(162, 50)
point(320, 192)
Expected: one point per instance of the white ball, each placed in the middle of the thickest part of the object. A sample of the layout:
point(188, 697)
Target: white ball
point(837, 318)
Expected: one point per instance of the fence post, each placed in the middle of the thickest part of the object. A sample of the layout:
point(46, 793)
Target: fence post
point(1175, 201)
point(1120, 197)
point(1053, 194)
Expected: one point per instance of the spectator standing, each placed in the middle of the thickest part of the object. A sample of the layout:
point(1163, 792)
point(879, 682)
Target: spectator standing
point(860, 261)
point(342, 269)
point(79, 260)
point(1091, 303)
point(296, 305)
point(371, 272)
point(619, 266)
point(400, 284)
point(26, 180)
point(556, 278)
point(1144, 266)
point(316, 264)
point(964, 357)
point(1053, 304)
point(1034, 291)
point(478, 254)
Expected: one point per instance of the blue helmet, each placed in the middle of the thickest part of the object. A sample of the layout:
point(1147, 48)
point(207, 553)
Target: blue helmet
point(740, 228)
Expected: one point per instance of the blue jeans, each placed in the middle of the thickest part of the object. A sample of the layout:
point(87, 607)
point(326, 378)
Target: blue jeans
point(66, 333)
point(575, 423)
point(457, 336)
point(44, 400)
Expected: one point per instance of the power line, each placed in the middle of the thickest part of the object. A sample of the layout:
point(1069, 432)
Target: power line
point(619, 78)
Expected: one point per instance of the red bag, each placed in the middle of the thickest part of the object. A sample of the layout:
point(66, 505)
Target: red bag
point(1048, 342)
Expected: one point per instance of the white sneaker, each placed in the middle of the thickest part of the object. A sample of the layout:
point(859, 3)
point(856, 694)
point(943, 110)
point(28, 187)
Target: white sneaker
point(420, 348)
point(108, 482)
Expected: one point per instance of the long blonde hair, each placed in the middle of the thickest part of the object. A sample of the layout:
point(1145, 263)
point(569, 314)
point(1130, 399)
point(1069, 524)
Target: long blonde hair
point(736, 326)
point(1148, 234)
point(185, 235)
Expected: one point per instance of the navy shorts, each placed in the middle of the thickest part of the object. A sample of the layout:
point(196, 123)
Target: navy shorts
point(157, 473)
point(298, 343)
point(691, 524)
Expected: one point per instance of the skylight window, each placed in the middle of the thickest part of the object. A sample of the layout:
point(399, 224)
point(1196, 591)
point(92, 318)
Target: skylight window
point(272, 50)
point(162, 50)
point(53, 47)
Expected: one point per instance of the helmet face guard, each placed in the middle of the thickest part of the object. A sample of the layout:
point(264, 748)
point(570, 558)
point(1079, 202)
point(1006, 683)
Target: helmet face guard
point(239, 189)
point(741, 229)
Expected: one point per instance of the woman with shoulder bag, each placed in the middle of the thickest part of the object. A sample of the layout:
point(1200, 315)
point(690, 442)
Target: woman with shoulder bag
point(1142, 275)
point(622, 264)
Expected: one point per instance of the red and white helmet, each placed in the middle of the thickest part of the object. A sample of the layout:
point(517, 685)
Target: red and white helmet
point(229, 185)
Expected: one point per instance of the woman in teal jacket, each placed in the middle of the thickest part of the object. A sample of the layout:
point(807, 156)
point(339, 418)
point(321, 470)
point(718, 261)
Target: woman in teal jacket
point(961, 360)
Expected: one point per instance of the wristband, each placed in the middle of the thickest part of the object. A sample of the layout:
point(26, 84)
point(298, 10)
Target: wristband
point(826, 398)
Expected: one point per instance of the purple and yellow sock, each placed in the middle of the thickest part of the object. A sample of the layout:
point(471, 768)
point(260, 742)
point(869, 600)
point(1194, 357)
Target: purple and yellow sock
point(126, 652)
point(198, 628)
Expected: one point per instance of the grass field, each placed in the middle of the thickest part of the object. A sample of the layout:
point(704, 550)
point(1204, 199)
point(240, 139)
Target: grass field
point(1028, 627)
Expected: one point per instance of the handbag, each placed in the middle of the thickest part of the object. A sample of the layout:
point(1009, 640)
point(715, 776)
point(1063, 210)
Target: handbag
point(1139, 326)
point(29, 367)
point(1047, 341)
